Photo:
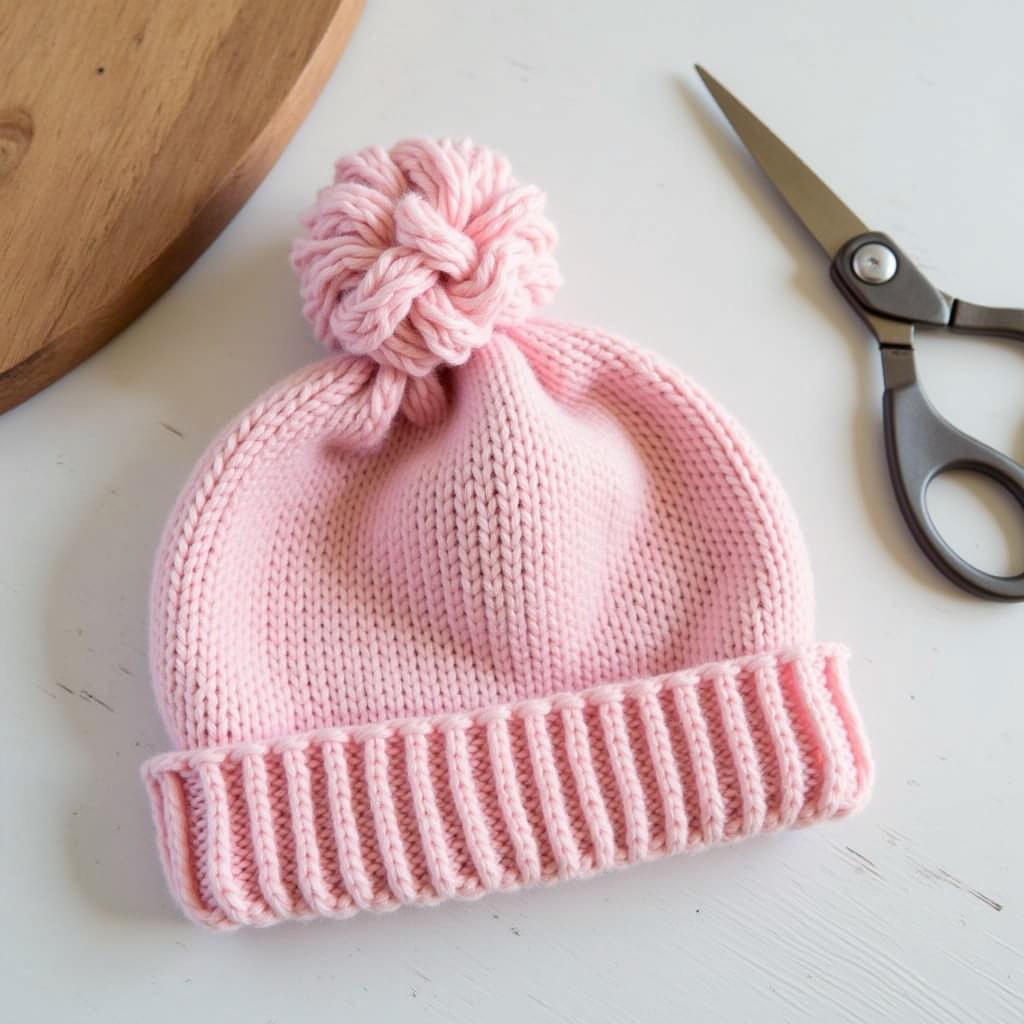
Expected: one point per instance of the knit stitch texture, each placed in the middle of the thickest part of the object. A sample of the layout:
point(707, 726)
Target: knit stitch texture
point(481, 600)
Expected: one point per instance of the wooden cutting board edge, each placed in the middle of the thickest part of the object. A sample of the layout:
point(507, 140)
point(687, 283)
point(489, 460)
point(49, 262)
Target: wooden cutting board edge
point(64, 352)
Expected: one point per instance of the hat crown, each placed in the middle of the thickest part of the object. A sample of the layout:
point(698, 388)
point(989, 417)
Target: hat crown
point(574, 520)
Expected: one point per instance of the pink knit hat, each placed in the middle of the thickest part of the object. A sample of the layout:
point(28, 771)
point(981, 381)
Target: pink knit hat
point(481, 600)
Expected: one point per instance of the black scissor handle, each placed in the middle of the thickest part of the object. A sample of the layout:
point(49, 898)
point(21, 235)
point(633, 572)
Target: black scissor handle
point(920, 444)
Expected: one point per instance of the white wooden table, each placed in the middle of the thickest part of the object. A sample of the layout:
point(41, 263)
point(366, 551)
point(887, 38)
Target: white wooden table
point(912, 911)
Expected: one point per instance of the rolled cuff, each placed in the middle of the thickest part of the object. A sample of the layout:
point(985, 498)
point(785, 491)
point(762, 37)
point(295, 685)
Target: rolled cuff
point(330, 822)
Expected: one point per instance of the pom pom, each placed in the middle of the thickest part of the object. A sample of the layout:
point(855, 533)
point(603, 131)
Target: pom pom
point(414, 255)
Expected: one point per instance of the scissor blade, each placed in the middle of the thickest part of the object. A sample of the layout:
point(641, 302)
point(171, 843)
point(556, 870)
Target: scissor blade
point(825, 215)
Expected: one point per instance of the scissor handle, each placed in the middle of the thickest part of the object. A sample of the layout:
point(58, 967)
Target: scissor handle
point(1007, 323)
point(920, 444)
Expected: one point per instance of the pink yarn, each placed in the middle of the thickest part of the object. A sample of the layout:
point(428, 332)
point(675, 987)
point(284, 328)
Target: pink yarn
point(415, 254)
point(555, 619)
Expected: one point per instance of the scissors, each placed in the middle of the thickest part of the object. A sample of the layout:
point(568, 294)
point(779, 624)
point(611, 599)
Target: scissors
point(893, 297)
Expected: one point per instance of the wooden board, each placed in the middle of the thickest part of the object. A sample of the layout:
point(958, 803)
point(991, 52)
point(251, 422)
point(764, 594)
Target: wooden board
point(131, 131)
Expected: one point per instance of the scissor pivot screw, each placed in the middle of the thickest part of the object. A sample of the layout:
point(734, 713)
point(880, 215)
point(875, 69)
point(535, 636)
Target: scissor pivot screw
point(874, 263)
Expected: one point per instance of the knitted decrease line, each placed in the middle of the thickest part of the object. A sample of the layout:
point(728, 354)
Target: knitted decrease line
point(414, 255)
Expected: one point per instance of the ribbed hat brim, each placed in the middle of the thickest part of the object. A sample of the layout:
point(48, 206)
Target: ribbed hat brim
point(372, 817)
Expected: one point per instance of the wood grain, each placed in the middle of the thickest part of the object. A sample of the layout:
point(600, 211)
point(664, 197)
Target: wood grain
point(131, 132)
